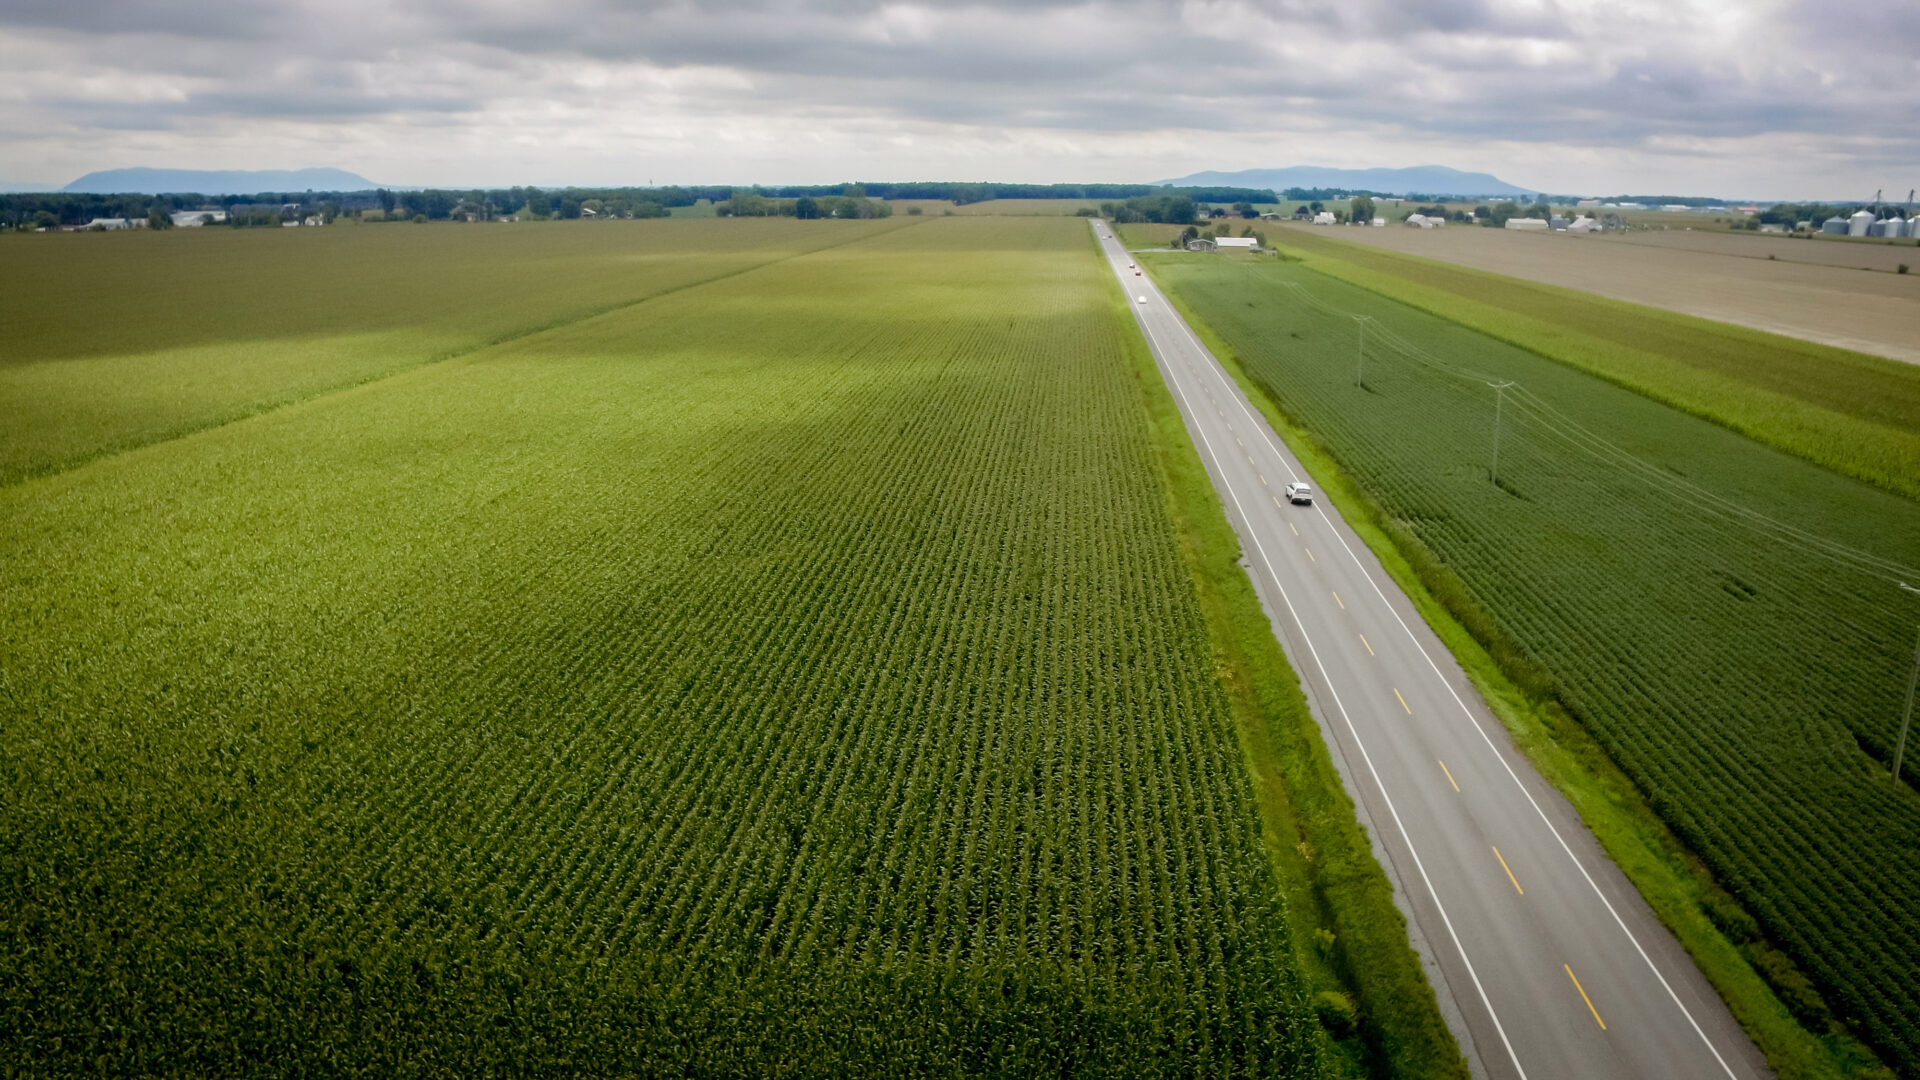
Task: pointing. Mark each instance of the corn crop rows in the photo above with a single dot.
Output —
(789, 677)
(1734, 668)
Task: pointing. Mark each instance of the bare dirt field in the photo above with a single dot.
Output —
(1882, 255)
(1817, 290)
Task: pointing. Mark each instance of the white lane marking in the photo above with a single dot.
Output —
(1622, 923)
(1355, 732)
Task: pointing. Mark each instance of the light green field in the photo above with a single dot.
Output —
(826, 670)
(118, 340)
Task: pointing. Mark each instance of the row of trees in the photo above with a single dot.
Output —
(850, 201)
(435, 204)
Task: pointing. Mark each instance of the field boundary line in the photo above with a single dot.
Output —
(507, 338)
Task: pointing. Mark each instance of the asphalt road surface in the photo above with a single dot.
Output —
(1555, 967)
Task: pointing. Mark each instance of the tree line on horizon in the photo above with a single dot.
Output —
(52, 209)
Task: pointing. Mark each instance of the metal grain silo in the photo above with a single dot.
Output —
(1859, 223)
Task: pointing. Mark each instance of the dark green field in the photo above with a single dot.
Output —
(1854, 413)
(1745, 675)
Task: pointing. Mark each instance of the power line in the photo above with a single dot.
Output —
(1579, 436)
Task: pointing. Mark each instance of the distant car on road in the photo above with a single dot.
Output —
(1299, 493)
(1143, 299)
(1136, 273)
(1129, 266)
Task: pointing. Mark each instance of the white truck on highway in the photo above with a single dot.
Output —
(1299, 493)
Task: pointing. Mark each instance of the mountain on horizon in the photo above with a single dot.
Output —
(216, 181)
(1421, 179)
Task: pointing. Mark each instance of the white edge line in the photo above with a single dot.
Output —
(1266, 435)
(1388, 799)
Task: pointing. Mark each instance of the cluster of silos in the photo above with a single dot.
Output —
(1892, 227)
(1865, 223)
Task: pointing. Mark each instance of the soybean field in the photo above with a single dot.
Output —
(1725, 619)
(791, 675)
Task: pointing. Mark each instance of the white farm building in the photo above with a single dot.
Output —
(1237, 243)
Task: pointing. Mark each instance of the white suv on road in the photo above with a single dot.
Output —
(1299, 493)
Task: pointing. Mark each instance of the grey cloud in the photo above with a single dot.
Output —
(1467, 70)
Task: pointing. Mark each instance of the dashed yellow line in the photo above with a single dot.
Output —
(1450, 780)
(1403, 701)
(1585, 998)
(1369, 645)
(1309, 552)
(1291, 525)
(1263, 480)
(1516, 883)
(1276, 502)
(1337, 600)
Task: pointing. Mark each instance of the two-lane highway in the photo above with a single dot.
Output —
(1556, 966)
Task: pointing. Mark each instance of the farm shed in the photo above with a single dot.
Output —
(1202, 244)
(1526, 224)
(1238, 243)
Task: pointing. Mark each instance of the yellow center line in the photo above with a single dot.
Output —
(1585, 998)
(1250, 461)
(1403, 701)
(1291, 525)
(1509, 870)
(1237, 442)
(1309, 552)
(1263, 480)
(1337, 600)
(1369, 645)
(1456, 786)
(1276, 502)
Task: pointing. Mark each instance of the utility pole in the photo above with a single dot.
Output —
(1499, 396)
(1360, 354)
(1906, 712)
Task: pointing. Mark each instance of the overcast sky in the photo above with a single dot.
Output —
(1761, 99)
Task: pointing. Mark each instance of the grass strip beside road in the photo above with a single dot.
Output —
(1756, 980)
(1349, 937)
(1856, 414)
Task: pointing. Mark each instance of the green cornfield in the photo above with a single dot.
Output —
(110, 346)
(790, 675)
(1725, 619)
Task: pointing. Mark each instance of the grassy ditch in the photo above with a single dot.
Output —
(1776, 1003)
(1349, 938)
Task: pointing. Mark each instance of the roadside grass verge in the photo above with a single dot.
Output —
(1349, 938)
(1771, 998)
(1856, 414)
